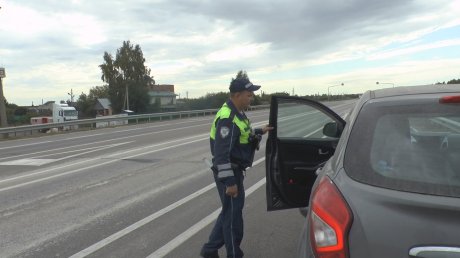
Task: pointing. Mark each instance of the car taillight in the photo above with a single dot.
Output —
(449, 99)
(330, 221)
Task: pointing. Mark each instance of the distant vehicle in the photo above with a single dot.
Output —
(64, 113)
(128, 112)
(383, 184)
(41, 120)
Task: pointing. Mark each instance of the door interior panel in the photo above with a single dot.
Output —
(299, 161)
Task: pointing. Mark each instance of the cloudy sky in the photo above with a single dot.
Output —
(51, 47)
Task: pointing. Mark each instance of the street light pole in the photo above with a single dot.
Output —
(123, 80)
(385, 83)
(328, 91)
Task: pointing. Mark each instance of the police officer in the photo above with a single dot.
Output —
(233, 143)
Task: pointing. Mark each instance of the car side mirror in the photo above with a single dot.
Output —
(332, 129)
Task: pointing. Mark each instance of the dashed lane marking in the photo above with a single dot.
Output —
(27, 162)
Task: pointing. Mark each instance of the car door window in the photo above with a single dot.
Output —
(297, 120)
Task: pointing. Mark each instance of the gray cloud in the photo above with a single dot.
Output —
(295, 30)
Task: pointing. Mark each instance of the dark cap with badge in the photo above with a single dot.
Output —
(241, 84)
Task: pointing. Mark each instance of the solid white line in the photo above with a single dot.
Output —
(312, 133)
(91, 249)
(173, 244)
(140, 223)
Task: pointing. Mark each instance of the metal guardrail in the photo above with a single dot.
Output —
(13, 131)
(451, 124)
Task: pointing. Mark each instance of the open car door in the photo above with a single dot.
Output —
(304, 137)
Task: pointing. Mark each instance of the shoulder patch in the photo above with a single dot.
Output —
(224, 131)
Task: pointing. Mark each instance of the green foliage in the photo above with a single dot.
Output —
(85, 103)
(281, 94)
(127, 71)
(98, 92)
(211, 100)
(18, 115)
(20, 111)
(454, 81)
(241, 75)
(85, 106)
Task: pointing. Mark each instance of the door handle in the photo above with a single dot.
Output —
(434, 251)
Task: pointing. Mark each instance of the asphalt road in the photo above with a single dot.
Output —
(131, 191)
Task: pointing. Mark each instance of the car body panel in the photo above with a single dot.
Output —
(393, 221)
(387, 223)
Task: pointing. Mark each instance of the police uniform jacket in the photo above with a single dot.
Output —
(230, 142)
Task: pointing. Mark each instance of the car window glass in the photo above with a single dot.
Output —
(298, 120)
(407, 148)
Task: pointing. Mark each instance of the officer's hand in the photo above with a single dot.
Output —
(232, 190)
(267, 128)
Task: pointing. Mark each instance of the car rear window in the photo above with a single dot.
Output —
(412, 147)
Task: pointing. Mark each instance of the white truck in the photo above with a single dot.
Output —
(64, 113)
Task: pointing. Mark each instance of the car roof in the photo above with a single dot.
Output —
(415, 90)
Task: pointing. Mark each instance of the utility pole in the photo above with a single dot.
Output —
(127, 97)
(71, 96)
(3, 120)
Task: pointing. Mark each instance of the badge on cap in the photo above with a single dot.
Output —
(224, 131)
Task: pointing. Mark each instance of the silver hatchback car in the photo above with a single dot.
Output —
(385, 183)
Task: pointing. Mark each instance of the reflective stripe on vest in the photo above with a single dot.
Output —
(243, 125)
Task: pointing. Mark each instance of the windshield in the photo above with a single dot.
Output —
(70, 113)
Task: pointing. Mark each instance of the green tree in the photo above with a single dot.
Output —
(241, 75)
(99, 92)
(454, 81)
(127, 72)
(85, 103)
(85, 106)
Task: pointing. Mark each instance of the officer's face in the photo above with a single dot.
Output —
(246, 97)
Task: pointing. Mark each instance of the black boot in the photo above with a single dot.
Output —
(213, 254)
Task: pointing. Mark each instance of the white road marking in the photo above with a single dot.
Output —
(180, 239)
(312, 133)
(59, 149)
(98, 158)
(140, 223)
(93, 166)
(59, 167)
(24, 145)
(115, 138)
(93, 248)
(104, 163)
(39, 161)
(27, 162)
